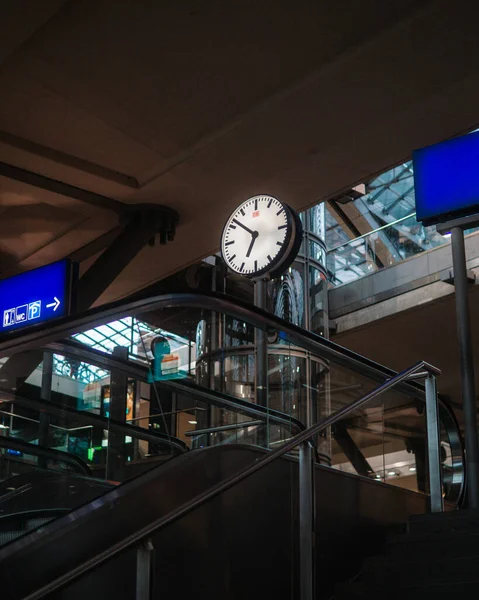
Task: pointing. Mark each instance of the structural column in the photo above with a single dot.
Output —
(467, 366)
(118, 406)
(45, 395)
(261, 355)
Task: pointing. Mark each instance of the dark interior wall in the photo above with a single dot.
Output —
(244, 543)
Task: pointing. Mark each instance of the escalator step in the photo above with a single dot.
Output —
(382, 571)
(457, 520)
(393, 591)
(434, 546)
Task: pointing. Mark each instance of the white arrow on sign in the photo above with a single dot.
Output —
(55, 304)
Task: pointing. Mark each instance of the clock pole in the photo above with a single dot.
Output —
(260, 240)
(261, 353)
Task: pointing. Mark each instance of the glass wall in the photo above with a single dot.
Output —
(300, 296)
(381, 248)
(377, 229)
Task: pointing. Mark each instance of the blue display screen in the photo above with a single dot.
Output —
(14, 452)
(446, 179)
(35, 296)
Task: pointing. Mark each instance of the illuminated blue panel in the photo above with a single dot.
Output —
(35, 296)
(446, 179)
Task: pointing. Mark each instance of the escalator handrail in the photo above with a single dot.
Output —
(237, 404)
(222, 428)
(99, 358)
(109, 362)
(241, 311)
(41, 451)
(97, 420)
(300, 438)
(223, 303)
(33, 513)
(19, 341)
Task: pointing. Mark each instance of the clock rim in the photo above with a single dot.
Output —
(288, 247)
(296, 241)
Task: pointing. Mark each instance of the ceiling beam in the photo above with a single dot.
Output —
(68, 160)
(58, 187)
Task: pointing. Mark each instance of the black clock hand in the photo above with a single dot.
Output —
(243, 226)
(254, 236)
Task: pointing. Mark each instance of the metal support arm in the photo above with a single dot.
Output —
(143, 224)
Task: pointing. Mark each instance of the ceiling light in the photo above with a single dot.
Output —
(392, 473)
(192, 422)
(412, 469)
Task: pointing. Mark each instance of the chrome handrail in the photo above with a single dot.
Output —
(253, 410)
(50, 333)
(243, 311)
(303, 436)
(221, 428)
(301, 439)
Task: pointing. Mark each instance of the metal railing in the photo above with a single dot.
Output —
(327, 350)
(381, 248)
(58, 456)
(141, 537)
(48, 335)
(140, 372)
(222, 428)
(372, 232)
(97, 420)
(317, 345)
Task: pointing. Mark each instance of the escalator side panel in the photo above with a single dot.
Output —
(245, 543)
(98, 525)
(242, 544)
(113, 581)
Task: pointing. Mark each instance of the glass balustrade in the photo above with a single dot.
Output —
(201, 372)
(381, 248)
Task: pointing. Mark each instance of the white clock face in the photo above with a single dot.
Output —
(257, 235)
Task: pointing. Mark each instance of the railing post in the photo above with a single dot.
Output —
(306, 490)
(144, 560)
(46, 396)
(433, 445)
(464, 335)
(261, 359)
(115, 459)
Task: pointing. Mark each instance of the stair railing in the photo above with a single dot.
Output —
(141, 539)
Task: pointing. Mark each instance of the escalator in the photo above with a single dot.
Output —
(107, 531)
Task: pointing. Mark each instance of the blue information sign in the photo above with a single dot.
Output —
(35, 296)
(446, 179)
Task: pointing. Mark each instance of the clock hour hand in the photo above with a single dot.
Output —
(254, 236)
(243, 226)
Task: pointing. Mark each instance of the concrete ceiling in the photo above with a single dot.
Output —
(197, 104)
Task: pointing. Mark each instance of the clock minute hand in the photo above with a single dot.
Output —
(254, 236)
(243, 226)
